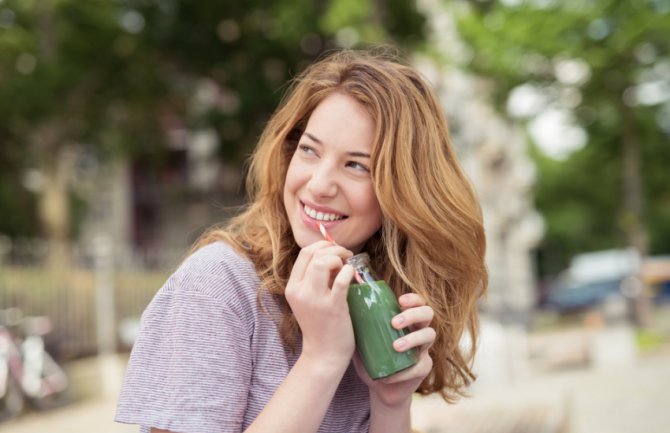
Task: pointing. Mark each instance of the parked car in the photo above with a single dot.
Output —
(570, 297)
(655, 272)
(593, 278)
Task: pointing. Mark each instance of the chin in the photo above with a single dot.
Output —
(305, 239)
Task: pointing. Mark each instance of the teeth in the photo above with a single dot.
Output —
(321, 216)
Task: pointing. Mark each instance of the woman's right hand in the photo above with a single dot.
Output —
(317, 293)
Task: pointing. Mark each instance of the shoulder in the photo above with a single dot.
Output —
(218, 258)
(215, 284)
(192, 362)
(217, 271)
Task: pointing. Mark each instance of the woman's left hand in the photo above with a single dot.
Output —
(397, 389)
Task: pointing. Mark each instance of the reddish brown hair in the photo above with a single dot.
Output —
(432, 239)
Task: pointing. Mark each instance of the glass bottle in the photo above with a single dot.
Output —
(372, 306)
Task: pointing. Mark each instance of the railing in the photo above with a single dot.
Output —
(94, 301)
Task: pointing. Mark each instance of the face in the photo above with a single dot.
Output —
(328, 179)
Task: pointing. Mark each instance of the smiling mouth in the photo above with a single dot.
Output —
(322, 216)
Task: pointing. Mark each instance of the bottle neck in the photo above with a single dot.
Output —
(361, 264)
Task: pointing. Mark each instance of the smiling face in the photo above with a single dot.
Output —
(328, 179)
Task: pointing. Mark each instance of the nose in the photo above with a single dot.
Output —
(323, 181)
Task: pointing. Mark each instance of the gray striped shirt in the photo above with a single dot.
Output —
(208, 359)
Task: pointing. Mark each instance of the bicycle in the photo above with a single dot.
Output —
(27, 371)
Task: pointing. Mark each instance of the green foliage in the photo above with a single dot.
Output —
(346, 12)
(649, 340)
(572, 195)
(118, 76)
(624, 45)
(18, 208)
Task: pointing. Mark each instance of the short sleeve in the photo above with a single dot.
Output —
(191, 366)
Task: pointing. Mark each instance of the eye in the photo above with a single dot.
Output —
(358, 166)
(306, 150)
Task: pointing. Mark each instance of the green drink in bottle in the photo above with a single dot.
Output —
(372, 306)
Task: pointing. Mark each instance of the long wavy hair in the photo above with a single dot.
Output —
(431, 241)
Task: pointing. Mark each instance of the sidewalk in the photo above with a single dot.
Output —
(617, 400)
(93, 416)
(623, 400)
(93, 410)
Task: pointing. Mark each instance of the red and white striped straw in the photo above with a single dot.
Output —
(325, 233)
(329, 238)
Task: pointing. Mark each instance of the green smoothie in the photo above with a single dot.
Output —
(372, 306)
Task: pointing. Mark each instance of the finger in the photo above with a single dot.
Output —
(416, 317)
(341, 283)
(420, 370)
(335, 250)
(422, 338)
(319, 271)
(304, 258)
(409, 300)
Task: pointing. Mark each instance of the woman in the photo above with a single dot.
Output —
(252, 333)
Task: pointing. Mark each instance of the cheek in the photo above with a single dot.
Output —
(376, 222)
(291, 181)
(372, 209)
(371, 202)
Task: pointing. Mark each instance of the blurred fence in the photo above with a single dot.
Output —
(90, 282)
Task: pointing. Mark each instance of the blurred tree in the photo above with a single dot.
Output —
(73, 78)
(124, 77)
(605, 65)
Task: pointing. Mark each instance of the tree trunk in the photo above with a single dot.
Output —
(54, 208)
(633, 195)
(56, 161)
(633, 204)
(46, 31)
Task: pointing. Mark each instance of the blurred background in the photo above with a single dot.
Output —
(124, 130)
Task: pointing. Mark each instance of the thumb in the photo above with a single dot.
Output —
(341, 283)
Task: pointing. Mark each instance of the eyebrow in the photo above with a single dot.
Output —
(358, 154)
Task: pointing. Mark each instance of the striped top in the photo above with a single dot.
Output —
(208, 358)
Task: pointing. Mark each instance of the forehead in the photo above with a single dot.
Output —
(340, 119)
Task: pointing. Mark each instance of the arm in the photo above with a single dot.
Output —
(391, 398)
(316, 292)
(300, 403)
(389, 419)
(319, 304)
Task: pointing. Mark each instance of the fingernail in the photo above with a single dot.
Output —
(399, 320)
(401, 343)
